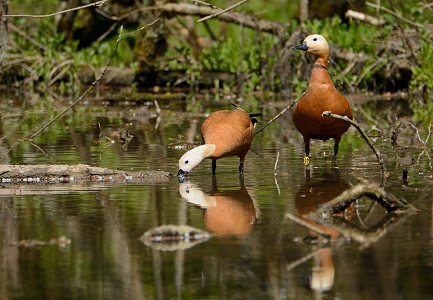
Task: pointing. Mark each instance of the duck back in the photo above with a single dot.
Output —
(231, 131)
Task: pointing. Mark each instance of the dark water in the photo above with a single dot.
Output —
(255, 251)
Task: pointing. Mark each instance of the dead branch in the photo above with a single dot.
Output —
(424, 142)
(364, 136)
(222, 11)
(396, 15)
(206, 4)
(362, 236)
(363, 17)
(365, 188)
(97, 4)
(306, 224)
(281, 113)
(119, 39)
(40, 174)
(302, 260)
(247, 20)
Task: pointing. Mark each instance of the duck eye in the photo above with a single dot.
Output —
(315, 39)
(186, 161)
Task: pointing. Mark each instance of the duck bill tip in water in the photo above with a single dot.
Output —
(303, 46)
(181, 175)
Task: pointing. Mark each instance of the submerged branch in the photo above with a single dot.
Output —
(365, 188)
(306, 224)
(364, 136)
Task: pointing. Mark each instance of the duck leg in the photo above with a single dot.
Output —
(307, 154)
(335, 150)
(337, 142)
(241, 167)
(213, 166)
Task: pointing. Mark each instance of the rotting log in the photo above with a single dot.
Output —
(365, 188)
(48, 174)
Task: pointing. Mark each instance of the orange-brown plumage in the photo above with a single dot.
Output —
(231, 131)
(225, 133)
(321, 96)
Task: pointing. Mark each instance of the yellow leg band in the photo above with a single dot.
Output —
(306, 160)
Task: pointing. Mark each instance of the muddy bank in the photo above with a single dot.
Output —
(49, 174)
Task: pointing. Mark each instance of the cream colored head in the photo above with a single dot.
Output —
(315, 44)
(193, 157)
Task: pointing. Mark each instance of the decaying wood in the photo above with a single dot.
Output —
(247, 20)
(365, 188)
(47, 174)
(329, 215)
(363, 17)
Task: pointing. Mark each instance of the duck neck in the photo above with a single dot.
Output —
(320, 73)
(206, 150)
(322, 60)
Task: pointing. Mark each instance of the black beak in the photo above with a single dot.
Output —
(181, 175)
(303, 46)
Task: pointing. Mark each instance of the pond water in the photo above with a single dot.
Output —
(254, 251)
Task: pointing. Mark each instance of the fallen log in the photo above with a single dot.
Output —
(48, 174)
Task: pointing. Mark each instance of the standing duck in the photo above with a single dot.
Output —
(225, 133)
(321, 96)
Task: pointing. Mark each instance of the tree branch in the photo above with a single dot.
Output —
(281, 113)
(119, 39)
(222, 11)
(364, 136)
(98, 3)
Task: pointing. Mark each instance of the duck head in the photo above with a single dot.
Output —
(315, 44)
(193, 157)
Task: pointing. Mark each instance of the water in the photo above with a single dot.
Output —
(255, 252)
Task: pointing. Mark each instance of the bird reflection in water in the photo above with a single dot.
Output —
(319, 189)
(227, 212)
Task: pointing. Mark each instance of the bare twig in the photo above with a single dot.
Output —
(396, 15)
(222, 11)
(302, 260)
(276, 162)
(364, 188)
(299, 221)
(205, 4)
(22, 33)
(119, 39)
(281, 113)
(98, 3)
(248, 20)
(365, 137)
(424, 142)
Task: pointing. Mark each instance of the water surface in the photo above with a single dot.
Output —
(254, 251)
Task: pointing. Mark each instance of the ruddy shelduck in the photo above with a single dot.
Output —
(321, 96)
(225, 133)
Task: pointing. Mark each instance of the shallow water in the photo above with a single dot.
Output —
(254, 251)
